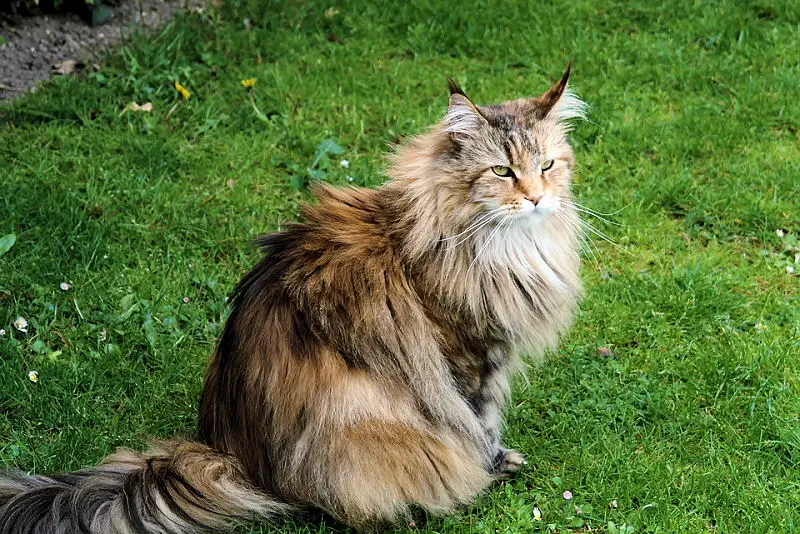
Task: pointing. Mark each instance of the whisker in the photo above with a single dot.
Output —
(476, 230)
(603, 236)
(593, 214)
(482, 218)
(586, 244)
(488, 240)
(599, 212)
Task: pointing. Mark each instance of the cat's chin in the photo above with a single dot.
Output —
(535, 217)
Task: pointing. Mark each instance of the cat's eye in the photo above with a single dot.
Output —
(547, 165)
(501, 170)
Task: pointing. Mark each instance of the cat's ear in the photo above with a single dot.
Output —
(559, 102)
(463, 118)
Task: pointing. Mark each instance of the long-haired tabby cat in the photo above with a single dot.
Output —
(366, 360)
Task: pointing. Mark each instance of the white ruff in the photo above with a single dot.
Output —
(528, 250)
(527, 279)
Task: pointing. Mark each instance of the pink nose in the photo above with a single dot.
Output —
(535, 199)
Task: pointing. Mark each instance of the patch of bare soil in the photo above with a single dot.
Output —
(36, 47)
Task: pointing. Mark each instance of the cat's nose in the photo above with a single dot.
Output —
(535, 199)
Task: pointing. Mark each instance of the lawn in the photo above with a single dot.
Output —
(690, 422)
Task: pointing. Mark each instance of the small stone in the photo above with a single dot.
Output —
(65, 286)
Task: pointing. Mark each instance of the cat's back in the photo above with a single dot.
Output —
(341, 246)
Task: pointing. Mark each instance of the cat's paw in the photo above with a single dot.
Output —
(507, 463)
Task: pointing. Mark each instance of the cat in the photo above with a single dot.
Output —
(366, 360)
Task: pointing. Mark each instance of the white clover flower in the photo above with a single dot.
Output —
(350, 178)
(345, 163)
(779, 232)
(790, 269)
(103, 334)
(613, 504)
(21, 324)
(2, 332)
(537, 514)
(65, 286)
(33, 376)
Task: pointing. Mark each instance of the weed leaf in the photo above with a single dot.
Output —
(6, 242)
(329, 146)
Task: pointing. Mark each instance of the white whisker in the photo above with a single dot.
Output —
(595, 212)
(603, 236)
(476, 230)
(486, 244)
(480, 219)
(588, 247)
(587, 211)
(586, 244)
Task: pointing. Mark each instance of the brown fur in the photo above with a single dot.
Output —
(367, 357)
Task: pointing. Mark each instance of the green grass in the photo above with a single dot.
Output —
(692, 425)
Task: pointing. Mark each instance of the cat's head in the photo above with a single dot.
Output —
(511, 159)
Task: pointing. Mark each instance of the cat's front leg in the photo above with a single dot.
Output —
(488, 403)
(507, 462)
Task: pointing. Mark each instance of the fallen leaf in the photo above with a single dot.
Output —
(134, 106)
(66, 67)
(604, 351)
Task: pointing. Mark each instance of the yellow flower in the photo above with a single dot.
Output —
(248, 83)
(182, 90)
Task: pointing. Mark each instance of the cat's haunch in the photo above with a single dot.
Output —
(366, 360)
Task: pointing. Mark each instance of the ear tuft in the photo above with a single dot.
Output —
(452, 85)
(560, 103)
(462, 118)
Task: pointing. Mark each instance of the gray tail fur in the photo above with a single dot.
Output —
(177, 487)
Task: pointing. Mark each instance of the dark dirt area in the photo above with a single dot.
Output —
(34, 47)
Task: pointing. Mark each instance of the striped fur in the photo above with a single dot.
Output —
(366, 359)
(175, 487)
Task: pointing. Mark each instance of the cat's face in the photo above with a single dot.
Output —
(513, 159)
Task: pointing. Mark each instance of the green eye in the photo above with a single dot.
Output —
(500, 170)
(547, 165)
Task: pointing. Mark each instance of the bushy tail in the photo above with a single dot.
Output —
(175, 488)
